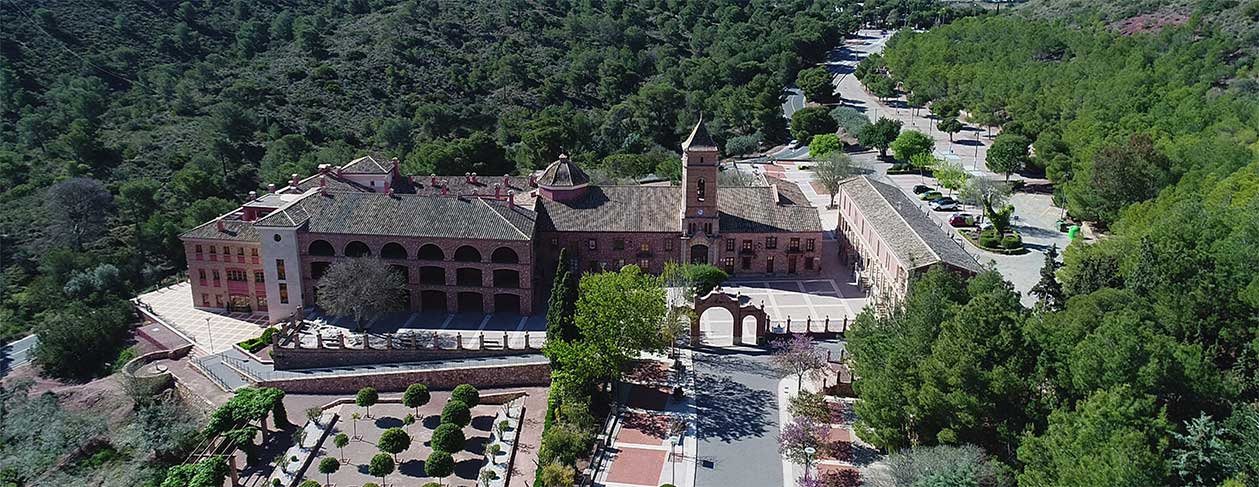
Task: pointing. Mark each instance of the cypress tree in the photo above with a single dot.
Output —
(562, 304)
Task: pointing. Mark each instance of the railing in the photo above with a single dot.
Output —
(209, 372)
(785, 326)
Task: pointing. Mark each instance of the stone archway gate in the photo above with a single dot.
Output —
(717, 298)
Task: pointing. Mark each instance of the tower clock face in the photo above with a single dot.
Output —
(699, 212)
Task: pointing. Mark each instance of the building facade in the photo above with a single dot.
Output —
(473, 244)
(887, 240)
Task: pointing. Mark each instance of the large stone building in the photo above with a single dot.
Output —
(490, 244)
(888, 241)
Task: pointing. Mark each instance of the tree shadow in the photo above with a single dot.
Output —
(728, 410)
(387, 422)
(468, 469)
(476, 445)
(968, 142)
(432, 422)
(412, 468)
(482, 423)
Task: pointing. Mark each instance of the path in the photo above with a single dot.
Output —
(738, 418)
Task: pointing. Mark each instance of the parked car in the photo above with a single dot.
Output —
(930, 195)
(922, 188)
(943, 204)
(794, 144)
(984, 226)
(962, 220)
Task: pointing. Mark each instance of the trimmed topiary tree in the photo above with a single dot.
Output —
(327, 467)
(416, 396)
(466, 393)
(456, 413)
(439, 464)
(366, 397)
(381, 466)
(394, 441)
(448, 438)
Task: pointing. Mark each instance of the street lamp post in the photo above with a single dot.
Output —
(209, 333)
(808, 460)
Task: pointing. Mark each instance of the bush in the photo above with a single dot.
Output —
(255, 344)
(308, 483)
(989, 239)
(1012, 241)
(456, 413)
(448, 438)
(564, 443)
(742, 144)
(706, 277)
(439, 464)
(467, 394)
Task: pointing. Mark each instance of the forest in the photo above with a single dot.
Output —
(1139, 365)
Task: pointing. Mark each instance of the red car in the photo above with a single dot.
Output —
(962, 220)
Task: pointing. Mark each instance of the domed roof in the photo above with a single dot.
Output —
(563, 174)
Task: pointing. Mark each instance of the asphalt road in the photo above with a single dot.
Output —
(794, 101)
(17, 353)
(737, 411)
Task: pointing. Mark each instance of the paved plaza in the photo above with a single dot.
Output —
(210, 331)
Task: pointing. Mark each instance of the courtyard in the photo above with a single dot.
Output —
(805, 302)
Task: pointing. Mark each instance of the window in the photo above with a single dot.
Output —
(810, 244)
(236, 275)
(592, 244)
(618, 244)
(262, 302)
(747, 245)
(201, 274)
(213, 250)
(794, 244)
(198, 249)
(205, 300)
(690, 228)
(730, 245)
(708, 229)
(259, 276)
(747, 263)
(644, 264)
(555, 243)
(253, 252)
(227, 251)
(699, 189)
(279, 269)
(240, 251)
(284, 293)
(668, 245)
(769, 264)
(771, 242)
(808, 264)
(216, 274)
(218, 300)
(645, 247)
(728, 262)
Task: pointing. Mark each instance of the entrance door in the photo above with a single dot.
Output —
(791, 264)
(699, 254)
(238, 303)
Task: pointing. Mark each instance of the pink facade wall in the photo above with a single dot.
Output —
(667, 246)
(860, 241)
(218, 294)
(491, 294)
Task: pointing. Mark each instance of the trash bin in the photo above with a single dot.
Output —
(1062, 226)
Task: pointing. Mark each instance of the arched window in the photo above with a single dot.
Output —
(699, 189)
(506, 278)
(467, 253)
(467, 276)
(319, 247)
(357, 249)
(504, 255)
(393, 250)
(430, 252)
(433, 276)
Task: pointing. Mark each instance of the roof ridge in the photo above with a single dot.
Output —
(883, 197)
(500, 215)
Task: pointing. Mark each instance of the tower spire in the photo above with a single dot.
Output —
(700, 138)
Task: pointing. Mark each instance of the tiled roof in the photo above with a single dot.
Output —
(563, 173)
(234, 229)
(405, 215)
(912, 236)
(458, 185)
(615, 209)
(368, 165)
(756, 210)
(789, 193)
(699, 138)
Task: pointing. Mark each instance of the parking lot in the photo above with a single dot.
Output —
(803, 301)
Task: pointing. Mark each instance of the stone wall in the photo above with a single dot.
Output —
(307, 358)
(484, 377)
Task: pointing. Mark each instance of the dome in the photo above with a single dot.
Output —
(563, 174)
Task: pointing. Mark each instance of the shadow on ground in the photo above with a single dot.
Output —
(729, 410)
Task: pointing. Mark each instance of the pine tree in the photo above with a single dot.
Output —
(1049, 291)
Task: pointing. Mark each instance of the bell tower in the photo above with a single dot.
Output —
(699, 180)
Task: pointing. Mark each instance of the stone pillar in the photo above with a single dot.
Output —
(231, 470)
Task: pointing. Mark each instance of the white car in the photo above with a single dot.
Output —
(794, 144)
(943, 204)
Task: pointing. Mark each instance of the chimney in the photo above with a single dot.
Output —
(271, 188)
(219, 224)
(389, 191)
(294, 181)
(445, 190)
(395, 165)
(474, 181)
(339, 171)
(506, 181)
(498, 191)
(533, 180)
(253, 195)
(432, 180)
(511, 199)
(467, 177)
(323, 168)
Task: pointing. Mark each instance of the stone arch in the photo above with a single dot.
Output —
(469, 302)
(357, 249)
(393, 250)
(699, 254)
(506, 303)
(506, 278)
(720, 322)
(739, 306)
(321, 248)
(504, 255)
(467, 253)
(430, 252)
